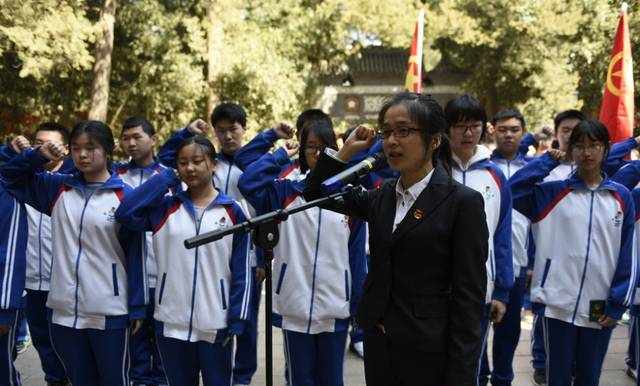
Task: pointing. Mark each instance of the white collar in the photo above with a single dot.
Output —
(415, 189)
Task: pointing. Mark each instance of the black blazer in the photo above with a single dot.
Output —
(427, 279)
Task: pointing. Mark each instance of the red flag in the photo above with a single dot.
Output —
(617, 110)
(413, 82)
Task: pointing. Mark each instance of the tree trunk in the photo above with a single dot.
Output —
(102, 64)
(214, 48)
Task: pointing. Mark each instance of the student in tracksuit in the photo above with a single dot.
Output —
(13, 245)
(97, 282)
(137, 140)
(229, 121)
(291, 170)
(629, 176)
(564, 123)
(472, 167)
(319, 263)
(38, 264)
(580, 288)
(204, 292)
(509, 129)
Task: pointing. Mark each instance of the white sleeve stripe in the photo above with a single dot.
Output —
(10, 257)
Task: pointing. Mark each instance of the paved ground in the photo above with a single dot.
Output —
(613, 374)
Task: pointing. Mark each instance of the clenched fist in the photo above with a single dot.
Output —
(53, 151)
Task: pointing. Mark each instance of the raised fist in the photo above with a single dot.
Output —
(292, 148)
(20, 143)
(283, 131)
(53, 151)
(199, 126)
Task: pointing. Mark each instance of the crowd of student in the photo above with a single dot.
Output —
(92, 253)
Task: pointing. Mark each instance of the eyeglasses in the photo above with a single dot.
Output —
(462, 128)
(593, 148)
(398, 132)
(313, 149)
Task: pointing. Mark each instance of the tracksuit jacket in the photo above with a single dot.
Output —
(225, 177)
(520, 224)
(202, 290)
(97, 275)
(584, 241)
(134, 176)
(319, 263)
(486, 178)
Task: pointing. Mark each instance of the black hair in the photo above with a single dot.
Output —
(228, 111)
(321, 130)
(308, 117)
(508, 114)
(595, 131)
(466, 108)
(203, 142)
(99, 133)
(427, 114)
(567, 114)
(132, 122)
(52, 126)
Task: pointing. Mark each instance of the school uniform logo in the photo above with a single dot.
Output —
(222, 222)
(488, 193)
(617, 220)
(110, 214)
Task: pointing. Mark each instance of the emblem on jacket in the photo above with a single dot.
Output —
(617, 221)
(418, 214)
(222, 222)
(488, 194)
(110, 214)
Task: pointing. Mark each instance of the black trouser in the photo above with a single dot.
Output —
(389, 364)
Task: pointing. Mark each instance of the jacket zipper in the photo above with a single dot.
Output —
(315, 265)
(84, 208)
(226, 183)
(586, 259)
(195, 272)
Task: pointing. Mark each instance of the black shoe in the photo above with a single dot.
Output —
(540, 376)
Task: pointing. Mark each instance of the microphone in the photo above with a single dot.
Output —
(356, 171)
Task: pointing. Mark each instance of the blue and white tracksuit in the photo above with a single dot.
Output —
(615, 160)
(598, 264)
(507, 333)
(629, 176)
(39, 255)
(225, 178)
(146, 366)
(13, 244)
(38, 271)
(204, 293)
(486, 177)
(97, 271)
(319, 267)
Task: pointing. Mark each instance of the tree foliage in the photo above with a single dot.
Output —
(271, 55)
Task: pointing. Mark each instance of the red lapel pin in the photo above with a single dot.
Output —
(417, 214)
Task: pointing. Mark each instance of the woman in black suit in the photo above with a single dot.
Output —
(425, 291)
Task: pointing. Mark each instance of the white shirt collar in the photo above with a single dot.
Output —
(415, 189)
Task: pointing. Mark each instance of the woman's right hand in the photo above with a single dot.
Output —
(52, 151)
(360, 139)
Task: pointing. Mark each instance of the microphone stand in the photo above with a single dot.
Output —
(266, 236)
